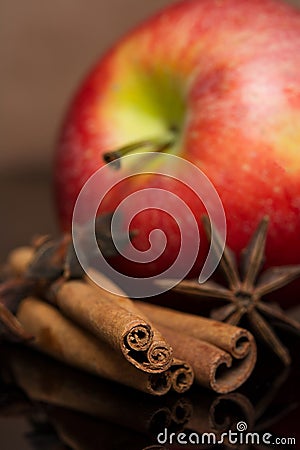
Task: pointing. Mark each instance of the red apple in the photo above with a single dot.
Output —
(218, 83)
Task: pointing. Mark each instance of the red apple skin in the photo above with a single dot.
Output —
(235, 65)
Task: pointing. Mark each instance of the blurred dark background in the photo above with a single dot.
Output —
(46, 48)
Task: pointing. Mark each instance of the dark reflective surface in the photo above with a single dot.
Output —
(48, 406)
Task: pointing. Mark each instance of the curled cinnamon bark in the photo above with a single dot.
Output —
(124, 330)
(182, 375)
(222, 356)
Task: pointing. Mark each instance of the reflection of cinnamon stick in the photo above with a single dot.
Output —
(122, 329)
(46, 380)
(54, 384)
(227, 410)
(155, 447)
(81, 432)
(62, 339)
(219, 414)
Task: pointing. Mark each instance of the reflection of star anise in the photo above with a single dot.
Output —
(246, 289)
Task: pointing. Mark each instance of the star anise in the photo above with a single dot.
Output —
(246, 287)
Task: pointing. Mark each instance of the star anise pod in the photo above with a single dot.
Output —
(56, 258)
(246, 287)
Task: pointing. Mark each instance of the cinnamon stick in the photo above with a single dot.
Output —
(121, 328)
(234, 340)
(181, 371)
(57, 336)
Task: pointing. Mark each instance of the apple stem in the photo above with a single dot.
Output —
(154, 145)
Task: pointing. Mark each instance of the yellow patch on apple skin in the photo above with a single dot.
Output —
(286, 143)
(141, 106)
